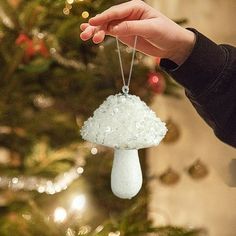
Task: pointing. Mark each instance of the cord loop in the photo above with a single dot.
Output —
(125, 88)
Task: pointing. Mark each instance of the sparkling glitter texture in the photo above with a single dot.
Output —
(124, 122)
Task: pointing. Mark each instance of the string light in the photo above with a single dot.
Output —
(80, 170)
(79, 202)
(69, 6)
(99, 228)
(41, 185)
(66, 11)
(27, 216)
(70, 1)
(94, 151)
(15, 180)
(6, 20)
(42, 101)
(66, 62)
(60, 215)
(101, 47)
(85, 14)
(84, 230)
(70, 232)
(117, 233)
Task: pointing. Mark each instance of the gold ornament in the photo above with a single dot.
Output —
(169, 177)
(198, 170)
(173, 133)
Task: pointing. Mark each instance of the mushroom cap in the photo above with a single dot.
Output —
(124, 122)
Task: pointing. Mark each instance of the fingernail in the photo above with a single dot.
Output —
(82, 37)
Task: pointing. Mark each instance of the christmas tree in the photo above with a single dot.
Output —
(51, 182)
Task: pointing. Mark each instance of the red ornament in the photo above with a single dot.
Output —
(157, 82)
(41, 48)
(32, 46)
(22, 38)
(30, 50)
(27, 43)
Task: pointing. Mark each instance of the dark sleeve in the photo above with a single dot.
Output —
(209, 78)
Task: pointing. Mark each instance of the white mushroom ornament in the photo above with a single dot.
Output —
(127, 124)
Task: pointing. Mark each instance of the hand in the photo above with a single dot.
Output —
(157, 35)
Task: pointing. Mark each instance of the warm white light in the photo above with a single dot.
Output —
(15, 180)
(94, 151)
(41, 189)
(60, 215)
(117, 233)
(101, 47)
(99, 228)
(66, 11)
(80, 170)
(84, 230)
(85, 14)
(70, 232)
(79, 202)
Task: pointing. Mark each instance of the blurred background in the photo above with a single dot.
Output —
(52, 182)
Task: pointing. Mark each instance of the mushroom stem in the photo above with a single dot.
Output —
(126, 174)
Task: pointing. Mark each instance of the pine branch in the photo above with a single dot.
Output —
(13, 65)
(8, 15)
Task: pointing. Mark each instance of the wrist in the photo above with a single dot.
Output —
(184, 46)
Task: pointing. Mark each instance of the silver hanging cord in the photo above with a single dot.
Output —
(125, 88)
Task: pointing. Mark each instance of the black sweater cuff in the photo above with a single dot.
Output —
(201, 69)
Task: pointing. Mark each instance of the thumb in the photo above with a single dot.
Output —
(128, 28)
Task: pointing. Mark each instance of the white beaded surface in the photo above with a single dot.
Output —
(124, 122)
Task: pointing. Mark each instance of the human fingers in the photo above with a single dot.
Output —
(83, 26)
(99, 36)
(142, 45)
(135, 27)
(96, 33)
(88, 33)
(132, 10)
